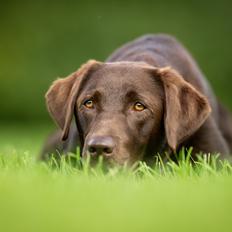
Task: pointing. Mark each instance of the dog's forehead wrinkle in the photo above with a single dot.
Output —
(115, 84)
(121, 82)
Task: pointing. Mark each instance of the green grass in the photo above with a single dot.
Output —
(168, 197)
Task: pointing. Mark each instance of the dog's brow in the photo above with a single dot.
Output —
(133, 95)
(96, 94)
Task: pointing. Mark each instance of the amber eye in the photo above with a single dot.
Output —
(138, 106)
(88, 104)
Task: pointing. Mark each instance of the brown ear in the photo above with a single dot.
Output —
(62, 94)
(186, 109)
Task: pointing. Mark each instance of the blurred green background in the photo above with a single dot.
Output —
(41, 40)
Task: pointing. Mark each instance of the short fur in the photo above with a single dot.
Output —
(180, 107)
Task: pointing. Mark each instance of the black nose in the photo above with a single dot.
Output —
(101, 145)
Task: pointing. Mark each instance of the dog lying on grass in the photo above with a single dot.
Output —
(148, 97)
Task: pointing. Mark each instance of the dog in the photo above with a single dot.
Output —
(149, 97)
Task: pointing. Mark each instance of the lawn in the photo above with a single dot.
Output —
(37, 197)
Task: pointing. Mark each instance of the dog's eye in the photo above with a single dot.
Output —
(138, 106)
(88, 104)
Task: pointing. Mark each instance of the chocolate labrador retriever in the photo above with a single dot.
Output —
(148, 97)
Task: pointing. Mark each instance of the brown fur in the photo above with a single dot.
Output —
(61, 96)
(180, 107)
(186, 108)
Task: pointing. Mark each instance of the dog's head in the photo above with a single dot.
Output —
(125, 109)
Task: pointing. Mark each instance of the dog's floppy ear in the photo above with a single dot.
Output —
(61, 96)
(186, 109)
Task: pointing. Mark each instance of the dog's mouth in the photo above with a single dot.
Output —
(113, 160)
(106, 157)
(112, 149)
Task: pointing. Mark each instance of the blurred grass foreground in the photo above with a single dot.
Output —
(41, 40)
(38, 196)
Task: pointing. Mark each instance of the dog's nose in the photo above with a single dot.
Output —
(103, 145)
